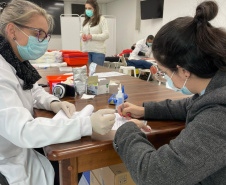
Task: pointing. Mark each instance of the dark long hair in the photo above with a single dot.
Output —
(192, 43)
(96, 19)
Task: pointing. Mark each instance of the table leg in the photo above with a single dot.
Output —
(68, 171)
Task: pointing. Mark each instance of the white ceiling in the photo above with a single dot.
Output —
(83, 1)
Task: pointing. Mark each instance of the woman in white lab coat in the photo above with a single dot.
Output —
(24, 29)
(94, 33)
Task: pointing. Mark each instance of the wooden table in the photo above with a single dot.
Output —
(97, 151)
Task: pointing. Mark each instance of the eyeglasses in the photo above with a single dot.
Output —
(41, 36)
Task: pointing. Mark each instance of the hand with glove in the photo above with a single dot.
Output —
(67, 107)
(101, 122)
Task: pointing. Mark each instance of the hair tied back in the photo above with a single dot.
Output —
(3, 5)
(205, 12)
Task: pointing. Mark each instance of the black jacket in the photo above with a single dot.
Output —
(196, 156)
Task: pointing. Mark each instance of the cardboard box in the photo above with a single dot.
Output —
(93, 179)
(113, 175)
(87, 176)
(113, 86)
(83, 181)
(97, 86)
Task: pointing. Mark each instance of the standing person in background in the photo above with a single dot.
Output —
(192, 54)
(24, 35)
(141, 53)
(94, 33)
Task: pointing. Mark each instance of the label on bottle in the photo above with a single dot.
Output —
(119, 102)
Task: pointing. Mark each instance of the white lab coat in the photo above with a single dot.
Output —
(20, 132)
(141, 46)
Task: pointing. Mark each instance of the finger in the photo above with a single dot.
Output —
(110, 125)
(119, 109)
(112, 122)
(146, 128)
(107, 111)
(66, 110)
(126, 111)
(110, 117)
(127, 104)
(71, 108)
(68, 104)
(108, 129)
(128, 117)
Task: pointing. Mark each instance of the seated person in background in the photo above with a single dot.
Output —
(116, 57)
(133, 46)
(192, 54)
(141, 53)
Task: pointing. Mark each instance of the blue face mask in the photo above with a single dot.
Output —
(89, 13)
(183, 90)
(149, 44)
(33, 50)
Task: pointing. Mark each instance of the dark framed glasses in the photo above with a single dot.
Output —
(41, 36)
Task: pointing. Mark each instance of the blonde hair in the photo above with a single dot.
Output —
(20, 12)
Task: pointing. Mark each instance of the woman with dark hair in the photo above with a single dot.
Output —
(192, 54)
(94, 33)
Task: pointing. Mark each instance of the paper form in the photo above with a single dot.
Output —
(108, 74)
(88, 110)
(119, 121)
(60, 115)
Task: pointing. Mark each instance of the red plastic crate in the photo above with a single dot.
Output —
(56, 79)
(76, 59)
(69, 52)
(76, 62)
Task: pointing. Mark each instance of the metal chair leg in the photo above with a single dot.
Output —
(139, 73)
(149, 77)
(134, 71)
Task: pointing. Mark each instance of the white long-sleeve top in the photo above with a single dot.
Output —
(141, 46)
(99, 33)
(20, 131)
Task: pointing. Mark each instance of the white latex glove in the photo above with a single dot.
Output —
(67, 107)
(101, 123)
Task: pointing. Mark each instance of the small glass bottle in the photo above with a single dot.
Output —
(119, 97)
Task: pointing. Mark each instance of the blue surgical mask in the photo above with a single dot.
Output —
(183, 90)
(33, 50)
(149, 44)
(89, 13)
(203, 92)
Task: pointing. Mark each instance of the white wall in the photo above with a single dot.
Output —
(178, 8)
(125, 12)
